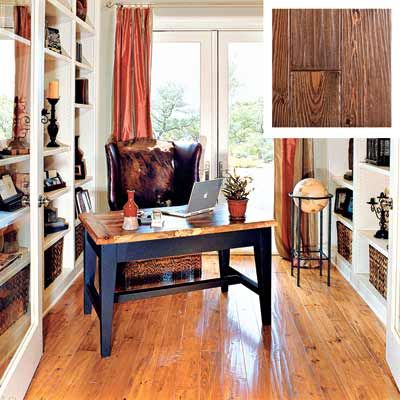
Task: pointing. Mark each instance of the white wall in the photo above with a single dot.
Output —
(207, 18)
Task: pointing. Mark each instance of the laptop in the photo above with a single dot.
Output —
(203, 199)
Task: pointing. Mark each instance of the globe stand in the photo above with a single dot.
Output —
(300, 253)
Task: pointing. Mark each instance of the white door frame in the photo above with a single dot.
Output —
(19, 373)
(393, 278)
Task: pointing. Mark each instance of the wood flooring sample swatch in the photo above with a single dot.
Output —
(280, 68)
(366, 92)
(315, 39)
(315, 99)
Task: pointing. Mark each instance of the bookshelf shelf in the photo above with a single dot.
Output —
(55, 8)
(52, 56)
(8, 160)
(8, 34)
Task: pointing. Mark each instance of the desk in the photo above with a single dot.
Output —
(106, 240)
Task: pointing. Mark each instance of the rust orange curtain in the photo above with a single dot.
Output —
(22, 23)
(132, 69)
(294, 161)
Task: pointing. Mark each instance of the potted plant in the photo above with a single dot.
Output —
(236, 190)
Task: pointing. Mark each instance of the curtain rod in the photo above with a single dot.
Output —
(113, 3)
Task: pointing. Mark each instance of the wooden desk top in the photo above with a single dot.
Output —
(107, 228)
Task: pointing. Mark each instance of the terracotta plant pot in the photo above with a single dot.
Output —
(237, 209)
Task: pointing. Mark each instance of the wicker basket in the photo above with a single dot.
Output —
(53, 262)
(79, 240)
(166, 269)
(344, 241)
(14, 299)
(378, 266)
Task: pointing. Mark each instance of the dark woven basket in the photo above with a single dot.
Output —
(166, 269)
(14, 299)
(79, 240)
(344, 241)
(53, 257)
(378, 266)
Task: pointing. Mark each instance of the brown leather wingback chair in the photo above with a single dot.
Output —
(156, 170)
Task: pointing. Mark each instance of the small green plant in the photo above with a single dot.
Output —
(237, 187)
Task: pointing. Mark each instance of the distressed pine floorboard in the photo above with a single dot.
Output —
(325, 343)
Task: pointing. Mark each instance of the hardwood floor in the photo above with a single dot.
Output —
(325, 343)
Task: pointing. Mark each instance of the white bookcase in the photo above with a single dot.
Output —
(74, 119)
(21, 343)
(368, 181)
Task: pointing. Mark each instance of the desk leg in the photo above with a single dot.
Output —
(262, 254)
(223, 256)
(108, 272)
(89, 269)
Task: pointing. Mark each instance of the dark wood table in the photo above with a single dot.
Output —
(106, 240)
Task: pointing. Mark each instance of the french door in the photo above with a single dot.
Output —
(243, 147)
(21, 343)
(208, 86)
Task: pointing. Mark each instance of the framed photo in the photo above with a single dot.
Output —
(53, 40)
(348, 207)
(22, 182)
(80, 170)
(83, 202)
(344, 202)
(7, 188)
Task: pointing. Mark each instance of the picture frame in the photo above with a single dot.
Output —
(348, 207)
(83, 202)
(53, 40)
(344, 202)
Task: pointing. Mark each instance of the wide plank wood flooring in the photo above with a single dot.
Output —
(325, 343)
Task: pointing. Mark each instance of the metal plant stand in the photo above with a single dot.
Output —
(306, 253)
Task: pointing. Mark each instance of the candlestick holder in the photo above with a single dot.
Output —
(52, 128)
(381, 206)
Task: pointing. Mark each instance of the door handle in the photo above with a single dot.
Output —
(26, 202)
(207, 171)
(43, 201)
(220, 169)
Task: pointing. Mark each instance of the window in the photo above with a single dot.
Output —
(176, 91)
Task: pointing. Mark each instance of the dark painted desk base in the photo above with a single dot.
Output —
(112, 254)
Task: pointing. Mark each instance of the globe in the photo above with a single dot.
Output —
(310, 187)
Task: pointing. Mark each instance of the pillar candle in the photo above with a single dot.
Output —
(52, 91)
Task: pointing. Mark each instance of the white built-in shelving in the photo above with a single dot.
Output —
(73, 119)
(368, 181)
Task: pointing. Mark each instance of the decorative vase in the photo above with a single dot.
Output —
(237, 209)
(130, 213)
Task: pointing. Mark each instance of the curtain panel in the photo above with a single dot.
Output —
(132, 74)
(294, 161)
(22, 23)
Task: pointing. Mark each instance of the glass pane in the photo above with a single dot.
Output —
(176, 91)
(250, 152)
(15, 284)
